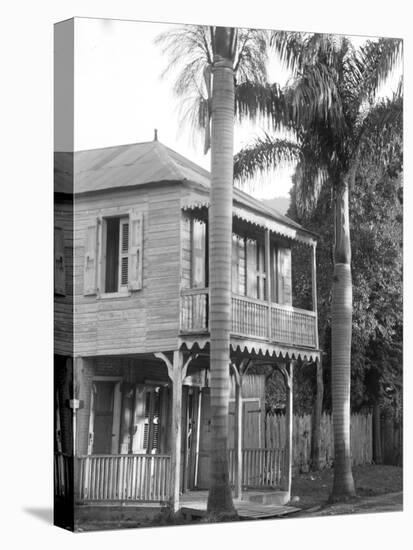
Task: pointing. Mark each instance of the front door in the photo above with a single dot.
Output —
(103, 417)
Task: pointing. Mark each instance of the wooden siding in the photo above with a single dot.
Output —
(145, 320)
(162, 252)
(63, 303)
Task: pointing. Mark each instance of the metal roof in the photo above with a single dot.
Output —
(123, 166)
(138, 164)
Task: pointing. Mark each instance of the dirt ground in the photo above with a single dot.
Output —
(379, 488)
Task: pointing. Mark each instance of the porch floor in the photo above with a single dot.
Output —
(194, 503)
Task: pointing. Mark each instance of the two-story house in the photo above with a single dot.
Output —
(131, 326)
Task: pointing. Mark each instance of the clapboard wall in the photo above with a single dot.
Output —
(146, 320)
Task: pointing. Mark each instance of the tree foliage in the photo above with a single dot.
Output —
(376, 206)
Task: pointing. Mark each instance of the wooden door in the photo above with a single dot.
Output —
(251, 424)
(103, 417)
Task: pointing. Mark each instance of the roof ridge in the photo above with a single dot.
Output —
(160, 150)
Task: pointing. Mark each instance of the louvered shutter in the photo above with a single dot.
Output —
(59, 262)
(251, 268)
(89, 277)
(124, 253)
(135, 250)
(285, 294)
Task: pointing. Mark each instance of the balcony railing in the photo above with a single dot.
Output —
(252, 319)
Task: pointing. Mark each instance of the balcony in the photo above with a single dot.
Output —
(274, 323)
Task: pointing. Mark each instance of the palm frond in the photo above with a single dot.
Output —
(373, 63)
(381, 133)
(264, 154)
(290, 48)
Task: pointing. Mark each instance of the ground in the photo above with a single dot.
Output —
(379, 489)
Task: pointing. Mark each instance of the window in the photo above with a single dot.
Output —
(256, 270)
(151, 426)
(116, 254)
(238, 265)
(198, 254)
(113, 255)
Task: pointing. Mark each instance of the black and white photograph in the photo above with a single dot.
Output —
(227, 274)
(205, 282)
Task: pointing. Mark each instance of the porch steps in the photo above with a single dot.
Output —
(273, 498)
(254, 505)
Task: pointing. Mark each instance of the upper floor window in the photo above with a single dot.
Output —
(116, 254)
(198, 254)
(249, 269)
(256, 270)
(113, 255)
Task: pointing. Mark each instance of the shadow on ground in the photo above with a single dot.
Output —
(44, 514)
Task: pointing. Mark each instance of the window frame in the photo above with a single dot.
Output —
(122, 289)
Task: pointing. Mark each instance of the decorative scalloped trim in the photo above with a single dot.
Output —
(258, 221)
(261, 350)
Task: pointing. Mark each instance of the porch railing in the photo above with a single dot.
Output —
(260, 467)
(250, 318)
(124, 478)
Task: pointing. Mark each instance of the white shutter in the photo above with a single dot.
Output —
(135, 250)
(89, 280)
(285, 294)
(59, 262)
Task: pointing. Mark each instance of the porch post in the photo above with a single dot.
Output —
(268, 280)
(314, 291)
(176, 372)
(287, 372)
(238, 433)
(127, 391)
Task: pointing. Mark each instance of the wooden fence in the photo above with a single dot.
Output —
(361, 439)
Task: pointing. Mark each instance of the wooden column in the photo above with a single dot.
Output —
(176, 372)
(268, 279)
(287, 372)
(138, 420)
(314, 290)
(238, 433)
(239, 371)
(127, 390)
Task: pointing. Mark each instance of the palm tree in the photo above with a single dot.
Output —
(209, 58)
(331, 108)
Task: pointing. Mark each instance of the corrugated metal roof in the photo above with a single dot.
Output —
(123, 166)
(139, 164)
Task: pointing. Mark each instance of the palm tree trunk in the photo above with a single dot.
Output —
(343, 486)
(220, 224)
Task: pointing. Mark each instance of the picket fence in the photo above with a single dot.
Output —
(361, 439)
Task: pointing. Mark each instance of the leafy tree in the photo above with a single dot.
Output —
(376, 227)
(330, 106)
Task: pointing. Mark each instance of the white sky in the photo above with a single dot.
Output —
(120, 96)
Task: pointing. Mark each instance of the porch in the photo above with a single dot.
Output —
(142, 478)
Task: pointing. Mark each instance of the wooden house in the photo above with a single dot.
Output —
(131, 327)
